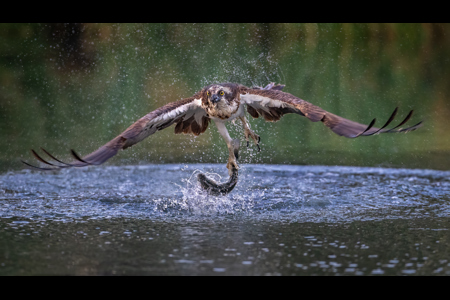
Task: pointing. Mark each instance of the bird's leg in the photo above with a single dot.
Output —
(248, 132)
(233, 150)
(233, 147)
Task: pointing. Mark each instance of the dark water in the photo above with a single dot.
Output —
(279, 220)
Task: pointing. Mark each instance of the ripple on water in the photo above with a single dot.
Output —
(294, 193)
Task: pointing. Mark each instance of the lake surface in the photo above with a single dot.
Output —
(279, 220)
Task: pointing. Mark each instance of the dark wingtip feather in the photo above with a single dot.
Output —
(391, 118)
(368, 128)
(77, 157)
(403, 122)
(41, 159)
(394, 130)
(53, 157)
(45, 169)
(412, 128)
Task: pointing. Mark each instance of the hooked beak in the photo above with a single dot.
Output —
(215, 99)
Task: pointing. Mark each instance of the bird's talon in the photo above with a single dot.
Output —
(232, 165)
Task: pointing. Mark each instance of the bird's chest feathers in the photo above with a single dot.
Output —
(223, 110)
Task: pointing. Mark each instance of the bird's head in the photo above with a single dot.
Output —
(218, 93)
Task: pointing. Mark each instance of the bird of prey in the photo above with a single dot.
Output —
(222, 103)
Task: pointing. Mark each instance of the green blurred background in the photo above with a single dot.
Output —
(65, 86)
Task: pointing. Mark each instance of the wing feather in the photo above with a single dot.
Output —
(272, 104)
(187, 114)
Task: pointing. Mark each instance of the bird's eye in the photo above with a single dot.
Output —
(207, 93)
(221, 93)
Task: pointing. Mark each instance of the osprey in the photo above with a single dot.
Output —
(222, 103)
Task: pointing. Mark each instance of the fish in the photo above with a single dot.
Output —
(218, 189)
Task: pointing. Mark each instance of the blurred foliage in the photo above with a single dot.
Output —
(65, 86)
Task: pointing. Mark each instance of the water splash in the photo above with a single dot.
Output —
(264, 192)
(196, 201)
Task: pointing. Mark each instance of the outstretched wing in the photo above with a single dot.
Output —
(187, 114)
(272, 104)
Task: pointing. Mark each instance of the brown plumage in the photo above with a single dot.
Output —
(221, 103)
